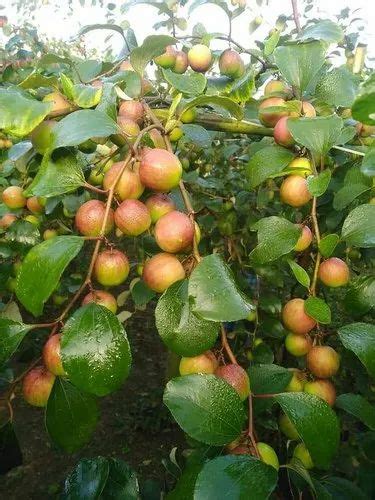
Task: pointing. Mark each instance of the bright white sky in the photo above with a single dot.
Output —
(142, 18)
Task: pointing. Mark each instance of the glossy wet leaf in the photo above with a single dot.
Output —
(318, 309)
(358, 228)
(87, 479)
(341, 488)
(206, 407)
(190, 83)
(184, 489)
(316, 423)
(42, 268)
(324, 29)
(95, 350)
(359, 407)
(328, 244)
(266, 162)
(360, 338)
(57, 176)
(213, 292)
(363, 108)
(122, 482)
(317, 185)
(360, 295)
(152, 46)
(19, 112)
(23, 232)
(276, 237)
(181, 330)
(222, 102)
(347, 194)
(11, 335)
(268, 378)
(299, 273)
(240, 477)
(337, 87)
(71, 416)
(318, 134)
(141, 293)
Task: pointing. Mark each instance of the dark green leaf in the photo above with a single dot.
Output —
(359, 227)
(268, 379)
(317, 134)
(359, 407)
(318, 185)
(324, 29)
(122, 483)
(10, 451)
(42, 268)
(22, 231)
(267, 162)
(222, 102)
(11, 335)
(342, 489)
(347, 194)
(141, 293)
(318, 309)
(152, 46)
(189, 83)
(328, 244)
(299, 273)
(88, 69)
(360, 338)
(184, 489)
(337, 87)
(87, 479)
(205, 407)
(360, 296)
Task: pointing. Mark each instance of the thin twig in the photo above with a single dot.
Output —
(296, 16)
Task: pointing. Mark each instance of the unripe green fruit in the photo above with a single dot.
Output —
(159, 205)
(129, 128)
(33, 219)
(49, 233)
(203, 363)
(304, 241)
(302, 166)
(89, 218)
(281, 133)
(161, 271)
(111, 267)
(270, 118)
(37, 386)
(159, 170)
(11, 284)
(129, 185)
(236, 376)
(133, 110)
(268, 455)
(13, 197)
(200, 58)
(231, 64)
(174, 232)
(87, 147)
(181, 62)
(287, 427)
(334, 272)
(175, 134)
(132, 217)
(7, 220)
(294, 191)
(295, 318)
(323, 361)
(102, 298)
(52, 356)
(42, 136)
(168, 59)
(60, 104)
(298, 345)
(34, 205)
(96, 177)
(185, 163)
(297, 382)
(58, 299)
(324, 389)
(302, 453)
(189, 115)
(275, 87)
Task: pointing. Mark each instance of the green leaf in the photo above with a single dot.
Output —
(299, 273)
(340, 488)
(324, 29)
(22, 231)
(268, 379)
(337, 87)
(190, 83)
(267, 162)
(86, 96)
(179, 328)
(141, 293)
(35, 80)
(368, 163)
(271, 43)
(317, 134)
(316, 423)
(318, 309)
(240, 477)
(243, 88)
(299, 469)
(360, 296)
(206, 407)
(328, 244)
(214, 294)
(88, 69)
(95, 350)
(358, 229)
(344, 196)
(82, 125)
(42, 268)
(57, 176)
(71, 416)
(152, 46)
(87, 480)
(11, 335)
(359, 407)
(197, 134)
(20, 113)
(360, 338)
(276, 237)
(122, 481)
(317, 185)
(299, 63)
(363, 108)
(222, 102)
(184, 489)
(108, 101)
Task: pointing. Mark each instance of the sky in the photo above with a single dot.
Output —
(142, 18)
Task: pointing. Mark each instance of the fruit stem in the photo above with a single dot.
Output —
(314, 219)
(94, 188)
(225, 344)
(250, 431)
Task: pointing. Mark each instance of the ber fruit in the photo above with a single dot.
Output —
(323, 361)
(294, 191)
(37, 386)
(271, 117)
(160, 170)
(203, 363)
(200, 58)
(295, 318)
(52, 356)
(302, 453)
(132, 217)
(268, 455)
(13, 197)
(129, 186)
(322, 388)
(158, 205)
(298, 345)
(304, 241)
(111, 267)
(133, 110)
(231, 64)
(287, 427)
(90, 216)
(167, 60)
(102, 298)
(237, 377)
(161, 271)
(334, 272)
(281, 133)
(174, 232)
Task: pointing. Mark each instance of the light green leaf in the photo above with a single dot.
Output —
(360, 338)
(317, 185)
(317, 134)
(337, 87)
(363, 108)
(368, 163)
(11, 335)
(266, 162)
(318, 309)
(348, 193)
(268, 378)
(35, 80)
(222, 102)
(190, 83)
(299, 273)
(86, 96)
(328, 244)
(359, 407)
(324, 29)
(152, 46)
(359, 227)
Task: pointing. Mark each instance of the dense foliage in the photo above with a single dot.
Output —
(233, 190)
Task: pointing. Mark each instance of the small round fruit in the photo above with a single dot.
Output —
(41, 136)
(231, 64)
(297, 382)
(181, 62)
(133, 110)
(302, 454)
(37, 386)
(102, 298)
(287, 427)
(303, 165)
(334, 272)
(13, 197)
(294, 192)
(323, 361)
(111, 267)
(7, 220)
(237, 377)
(304, 241)
(58, 299)
(160, 170)
(49, 234)
(308, 110)
(52, 356)
(33, 204)
(298, 345)
(281, 133)
(295, 319)
(175, 134)
(200, 58)
(270, 118)
(167, 60)
(129, 128)
(189, 115)
(161, 271)
(275, 87)
(174, 232)
(129, 185)
(324, 389)
(159, 205)
(33, 219)
(268, 455)
(132, 217)
(203, 363)
(89, 218)
(96, 176)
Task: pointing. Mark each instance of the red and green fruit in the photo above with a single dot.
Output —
(281, 133)
(237, 377)
(167, 60)
(52, 356)
(13, 197)
(295, 318)
(323, 361)
(129, 186)
(37, 386)
(181, 62)
(231, 64)
(203, 363)
(298, 345)
(200, 58)
(334, 272)
(102, 298)
(304, 241)
(161, 271)
(160, 170)
(294, 191)
(159, 205)
(132, 217)
(133, 110)
(174, 232)
(271, 117)
(322, 388)
(90, 217)
(111, 267)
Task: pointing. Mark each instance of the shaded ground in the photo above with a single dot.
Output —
(134, 426)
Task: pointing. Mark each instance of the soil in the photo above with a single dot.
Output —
(134, 426)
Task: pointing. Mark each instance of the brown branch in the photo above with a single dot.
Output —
(226, 346)
(296, 15)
